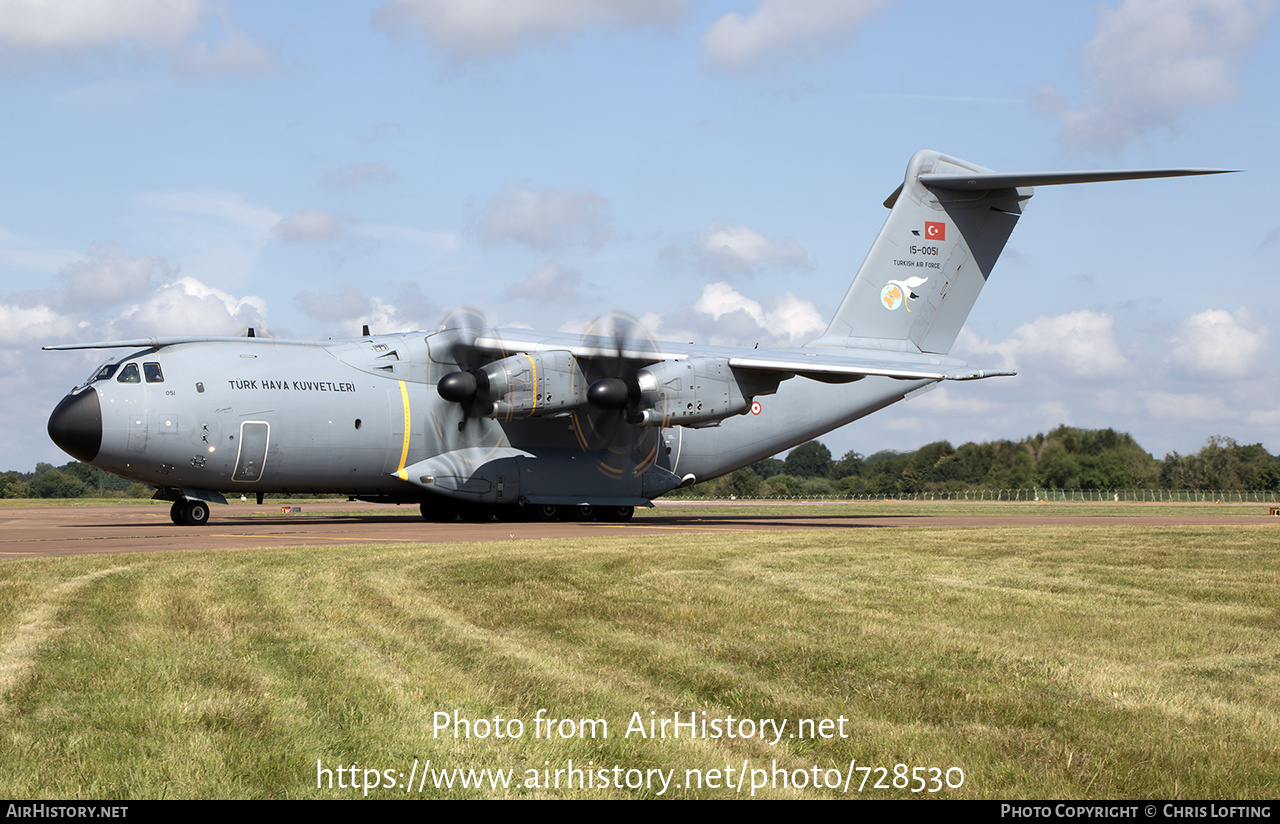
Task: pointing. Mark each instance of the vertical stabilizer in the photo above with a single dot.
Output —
(929, 262)
(948, 222)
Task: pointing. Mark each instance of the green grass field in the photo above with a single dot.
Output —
(1031, 662)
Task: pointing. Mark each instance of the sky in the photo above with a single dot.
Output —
(714, 168)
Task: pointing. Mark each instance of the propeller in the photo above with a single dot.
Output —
(614, 396)
(466, 325)
(468, 387)
(461, 423)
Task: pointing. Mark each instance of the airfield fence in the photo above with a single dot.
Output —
(1035, 494)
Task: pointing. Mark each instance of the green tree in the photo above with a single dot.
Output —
(850, 464)
(809, 460)
(783, 486)
(741, 483)
(768, 467)
(56, 484)
(921, 463)
(1056, 468)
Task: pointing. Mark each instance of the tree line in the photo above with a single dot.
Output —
(71, 480)
(1066, 458)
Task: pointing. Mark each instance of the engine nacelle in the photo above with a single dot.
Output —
(529, 386)
(695, 391)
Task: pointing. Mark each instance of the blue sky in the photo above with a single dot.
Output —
(714, 168)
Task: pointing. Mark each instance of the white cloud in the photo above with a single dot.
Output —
(783, 27)
(197, 34)
(107, 276)
(545, 218)
(23, 325)
(186, 306)
(479, 28)
(383, 317)
(1217, 344)
(411, 302)
(789, 320)
(1264, 417)
(84, 292)
(726, 247)
(237, 54)
(308, 225)
(948, 401)
(1150, 60)
(74, 24)
(1177, 406)
(1054, 410)
(350, 304)
(721, 316)
(1080, 343)
(552, 283)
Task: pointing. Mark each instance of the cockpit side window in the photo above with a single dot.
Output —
(104, 372)
(152, 373)
(129, 374)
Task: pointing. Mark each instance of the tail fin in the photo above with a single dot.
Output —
(948, 223)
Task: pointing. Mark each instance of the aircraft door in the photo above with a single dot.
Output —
(252, 458)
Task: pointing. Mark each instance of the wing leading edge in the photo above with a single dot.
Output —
(816, 363)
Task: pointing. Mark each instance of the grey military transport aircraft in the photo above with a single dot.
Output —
(474, 422)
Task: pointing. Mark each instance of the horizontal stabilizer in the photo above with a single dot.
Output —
(982, 181)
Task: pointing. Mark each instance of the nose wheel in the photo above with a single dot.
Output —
(189, 513)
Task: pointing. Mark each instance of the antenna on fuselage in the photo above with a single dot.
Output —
(365, 331)
(250, 334)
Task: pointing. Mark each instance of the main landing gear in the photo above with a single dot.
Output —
(189, 513)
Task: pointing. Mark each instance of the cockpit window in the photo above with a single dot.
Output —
(152, 373)
(104, 372)
(129, 374)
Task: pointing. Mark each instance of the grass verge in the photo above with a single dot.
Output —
(1081, 662)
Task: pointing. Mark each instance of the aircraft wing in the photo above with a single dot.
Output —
(818, 363)
(504, 342)
(175, 340)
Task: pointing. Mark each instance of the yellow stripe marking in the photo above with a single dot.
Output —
(534, 367)
(404, 450)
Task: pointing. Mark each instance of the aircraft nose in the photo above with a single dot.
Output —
(76, 425)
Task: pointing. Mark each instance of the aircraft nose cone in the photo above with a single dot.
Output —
(76, 425)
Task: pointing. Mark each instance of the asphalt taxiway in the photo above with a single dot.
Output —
(27, 532)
